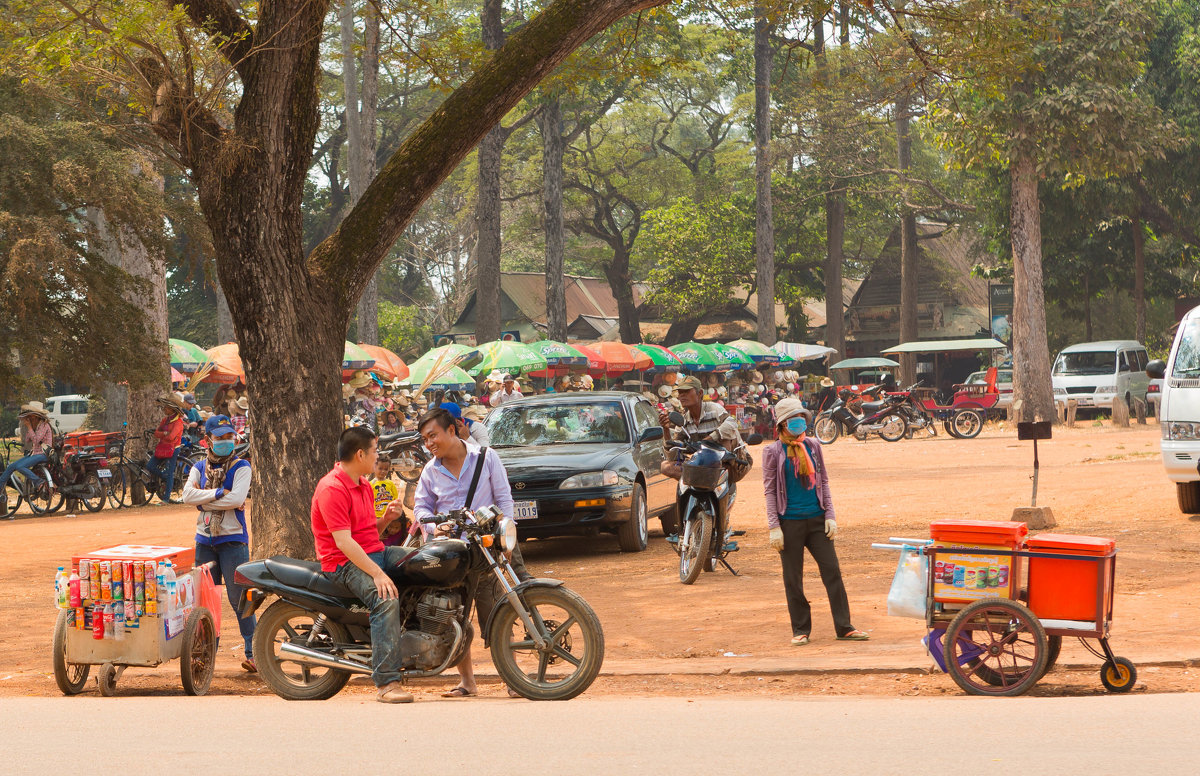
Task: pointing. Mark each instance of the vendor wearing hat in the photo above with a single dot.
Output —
(508, 389)
(191, 418)
(799, 515)
(36, 435)
(168, 435)
(701, 419)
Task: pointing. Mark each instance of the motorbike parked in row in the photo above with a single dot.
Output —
(704, 500)
(884, 416)
(545, 640)
(959, 421)
(77, 475)
(407, 453)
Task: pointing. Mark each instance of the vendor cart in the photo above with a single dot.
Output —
(999, 637)
(186, 630)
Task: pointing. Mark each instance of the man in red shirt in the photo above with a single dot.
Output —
(347, 538)
(167, 436)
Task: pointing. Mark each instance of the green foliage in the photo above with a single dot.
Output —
(402, 331)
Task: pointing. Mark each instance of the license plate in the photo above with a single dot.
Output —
(104, 472)
(525, 510)
(1083, 402)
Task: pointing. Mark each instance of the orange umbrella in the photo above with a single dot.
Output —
(387, 363)
(227, 364)
(619, 358)
(596, 364)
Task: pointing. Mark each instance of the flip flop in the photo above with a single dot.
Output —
(854, 635)
(458, 692)
(800, 641)
(249, 666)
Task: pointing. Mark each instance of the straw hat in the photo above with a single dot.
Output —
(676, 404)
(402, 401)
(756, 376)
(826, 382)
(243, 403)
(664, 391)
(359, 380)
(475, 412)
(172, 400)
(713, 381)
(34, 408)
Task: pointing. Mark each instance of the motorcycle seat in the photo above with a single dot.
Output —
(399, 437)
(305, 574)
(871, 407)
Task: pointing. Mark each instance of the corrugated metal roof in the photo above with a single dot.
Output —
(523, 298)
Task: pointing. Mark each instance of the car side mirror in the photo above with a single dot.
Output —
(1156, 369)
(754, 439)
(650, 434)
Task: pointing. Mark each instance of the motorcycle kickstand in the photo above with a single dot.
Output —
(725, 563)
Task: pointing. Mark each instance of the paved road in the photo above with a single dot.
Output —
(979, 736)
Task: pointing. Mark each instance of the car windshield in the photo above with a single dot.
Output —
(518, 426)
(1102, 362)
(1187, 356)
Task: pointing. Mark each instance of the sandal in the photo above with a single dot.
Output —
(249, 665)
(799, 641)
(854, 635)
(458, 692)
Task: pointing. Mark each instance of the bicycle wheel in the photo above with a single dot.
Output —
(10, 501)
(117, 488)
(44, 499)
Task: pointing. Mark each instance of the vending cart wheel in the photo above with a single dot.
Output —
(70, 677)
(996, 647)
(1118, 676)
(198, 653)
(106, 680)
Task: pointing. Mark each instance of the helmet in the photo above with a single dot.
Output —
(703, 469)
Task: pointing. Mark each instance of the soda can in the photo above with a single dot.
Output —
(85, 579)
(118, 587)
(1002, 577)
(105, 582)
(139, 571)
(131, 617)
(87, 618)
(98, 622)
(151, 589)
(117, 568)
(127, 577)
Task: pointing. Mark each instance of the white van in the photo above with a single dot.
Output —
(67, 413)
(1094, 373)
(1179, 411)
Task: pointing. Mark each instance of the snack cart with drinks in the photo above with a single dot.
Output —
(134, 605)
(993, 634)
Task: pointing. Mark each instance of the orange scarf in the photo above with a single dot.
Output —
(801, 458)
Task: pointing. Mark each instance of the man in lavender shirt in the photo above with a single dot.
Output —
(443, 486)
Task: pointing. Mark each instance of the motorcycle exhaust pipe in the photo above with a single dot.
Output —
(306, 656)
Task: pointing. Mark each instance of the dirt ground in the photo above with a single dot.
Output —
(730, 634)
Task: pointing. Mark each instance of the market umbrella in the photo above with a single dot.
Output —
(796, 351)
(387, 363)
(185, 356)
(355, 358)
(697, 357)
(465, 354)
(863, 363)
(507, 356)
(177, 376)
(449, 378)
(560, 357)
(620, 358)
(226, 364)
(758, 352)
(661, 359)
(596, 364)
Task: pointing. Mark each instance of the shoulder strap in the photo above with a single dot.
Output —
(475, 477)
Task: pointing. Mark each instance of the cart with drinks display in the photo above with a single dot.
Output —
(998, 603)
(176, 620)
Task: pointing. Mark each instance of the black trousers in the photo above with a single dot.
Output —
(797, 535)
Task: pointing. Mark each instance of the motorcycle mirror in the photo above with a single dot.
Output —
(676, 418)
(754, 439)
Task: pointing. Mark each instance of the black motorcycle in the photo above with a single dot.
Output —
(884, 416)
(75, 475)
(545, 641)
(407, 453)
(704, 501)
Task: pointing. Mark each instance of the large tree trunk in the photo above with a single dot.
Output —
(224, 318)
(909, 273)
(1139, 277)
(764, 223)
(487, 207)
(617, 273)
(835, 217)
(553, 148)
(123, 409)
(1033, 394)
(361, 136)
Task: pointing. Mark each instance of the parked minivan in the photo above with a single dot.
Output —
(67, 413)
(1179, 411)
(1094, 373)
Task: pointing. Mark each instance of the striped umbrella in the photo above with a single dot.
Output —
(758, 352)
(662, 360)
(185, 356)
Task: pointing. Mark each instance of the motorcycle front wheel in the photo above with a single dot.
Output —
(284, 622)
(43, 499)
(826, 430)
(695, 544)
(894, 428)
(574, 642)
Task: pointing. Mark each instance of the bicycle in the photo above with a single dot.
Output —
(41, 497)
(186, 455)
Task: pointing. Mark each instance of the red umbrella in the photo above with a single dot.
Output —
(596, 365)
(387, 363)
(619, 358)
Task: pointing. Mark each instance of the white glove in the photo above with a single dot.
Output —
(777, 539)
(831, 529)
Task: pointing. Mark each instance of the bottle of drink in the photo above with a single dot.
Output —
(109, 633)
(60, 589)
(73, 592)
(169, 583)
(119, 621)
(97, 621)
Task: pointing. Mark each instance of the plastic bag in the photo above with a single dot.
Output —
(907, 596)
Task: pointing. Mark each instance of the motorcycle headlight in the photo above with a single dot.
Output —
(507, 534)
(590, 480)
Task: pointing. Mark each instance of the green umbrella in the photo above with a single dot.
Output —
(698, 357)
(186, 357)
(454, 350)
(451, 379)
(863, 363)
(758, 352)
(733, 357)
(506, 356)
(558, 353)
(664, 360)
(354, 357)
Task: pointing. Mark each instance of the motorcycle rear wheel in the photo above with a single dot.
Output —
(283, 622)
(97, 493)
(43, 500)
(827, 430)
(894, 428)
(693, 556)
(576, 645)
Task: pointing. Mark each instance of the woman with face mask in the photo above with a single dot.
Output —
(800, 515)
(218, 487)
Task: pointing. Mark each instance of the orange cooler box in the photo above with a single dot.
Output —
(1061, 589)
(964, 578)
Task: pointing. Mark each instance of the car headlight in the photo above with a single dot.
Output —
(507, 533)
(1180, 431)
(590, 480)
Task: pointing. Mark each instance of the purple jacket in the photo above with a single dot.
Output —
(774, 458)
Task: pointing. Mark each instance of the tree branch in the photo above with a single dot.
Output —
(220, 19)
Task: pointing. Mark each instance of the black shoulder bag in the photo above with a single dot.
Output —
(475, 477)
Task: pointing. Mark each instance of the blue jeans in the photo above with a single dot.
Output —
(230, 555)
(24, 466)
(165, 469)
(385, 614)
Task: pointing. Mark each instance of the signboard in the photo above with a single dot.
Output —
(1000, 311)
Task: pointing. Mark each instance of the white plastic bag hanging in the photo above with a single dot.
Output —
(907, 596)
